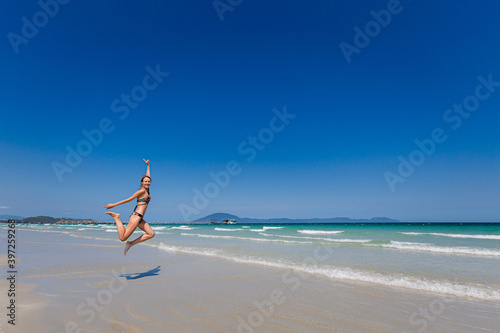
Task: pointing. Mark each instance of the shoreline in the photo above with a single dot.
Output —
(77, 283)
(273, 223)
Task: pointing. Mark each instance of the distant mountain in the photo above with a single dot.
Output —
(40, 219)
(11, 217)
(218, 217)
(225, 216)
(48, 219)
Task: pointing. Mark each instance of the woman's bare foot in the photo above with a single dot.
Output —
(113, 215)
(127, 247)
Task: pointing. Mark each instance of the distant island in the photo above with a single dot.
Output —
(223, 218)
(49, 220)
(217, 217)
(247, 220)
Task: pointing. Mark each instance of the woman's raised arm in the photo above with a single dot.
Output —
(148, 173)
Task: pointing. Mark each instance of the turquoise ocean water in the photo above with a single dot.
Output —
(453, 259)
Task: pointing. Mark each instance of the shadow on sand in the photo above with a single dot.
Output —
(134, 276)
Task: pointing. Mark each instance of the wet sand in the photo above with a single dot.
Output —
(68, 284)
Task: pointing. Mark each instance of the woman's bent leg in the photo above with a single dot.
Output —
(133, 221)
(119, 225)
(149, 233)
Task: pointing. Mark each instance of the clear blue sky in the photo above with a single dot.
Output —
(357, 112)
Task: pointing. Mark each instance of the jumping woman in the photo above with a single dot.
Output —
(136, 218)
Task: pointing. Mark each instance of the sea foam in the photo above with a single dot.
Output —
(266, 228)
(439, 249)
(478, 291)
(183, 227)
(319, 232)
(227, 229)
(494, 237)
(253, 239)
(333, 240)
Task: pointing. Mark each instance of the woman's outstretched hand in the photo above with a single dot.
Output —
(147, 161)
(108, 206)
